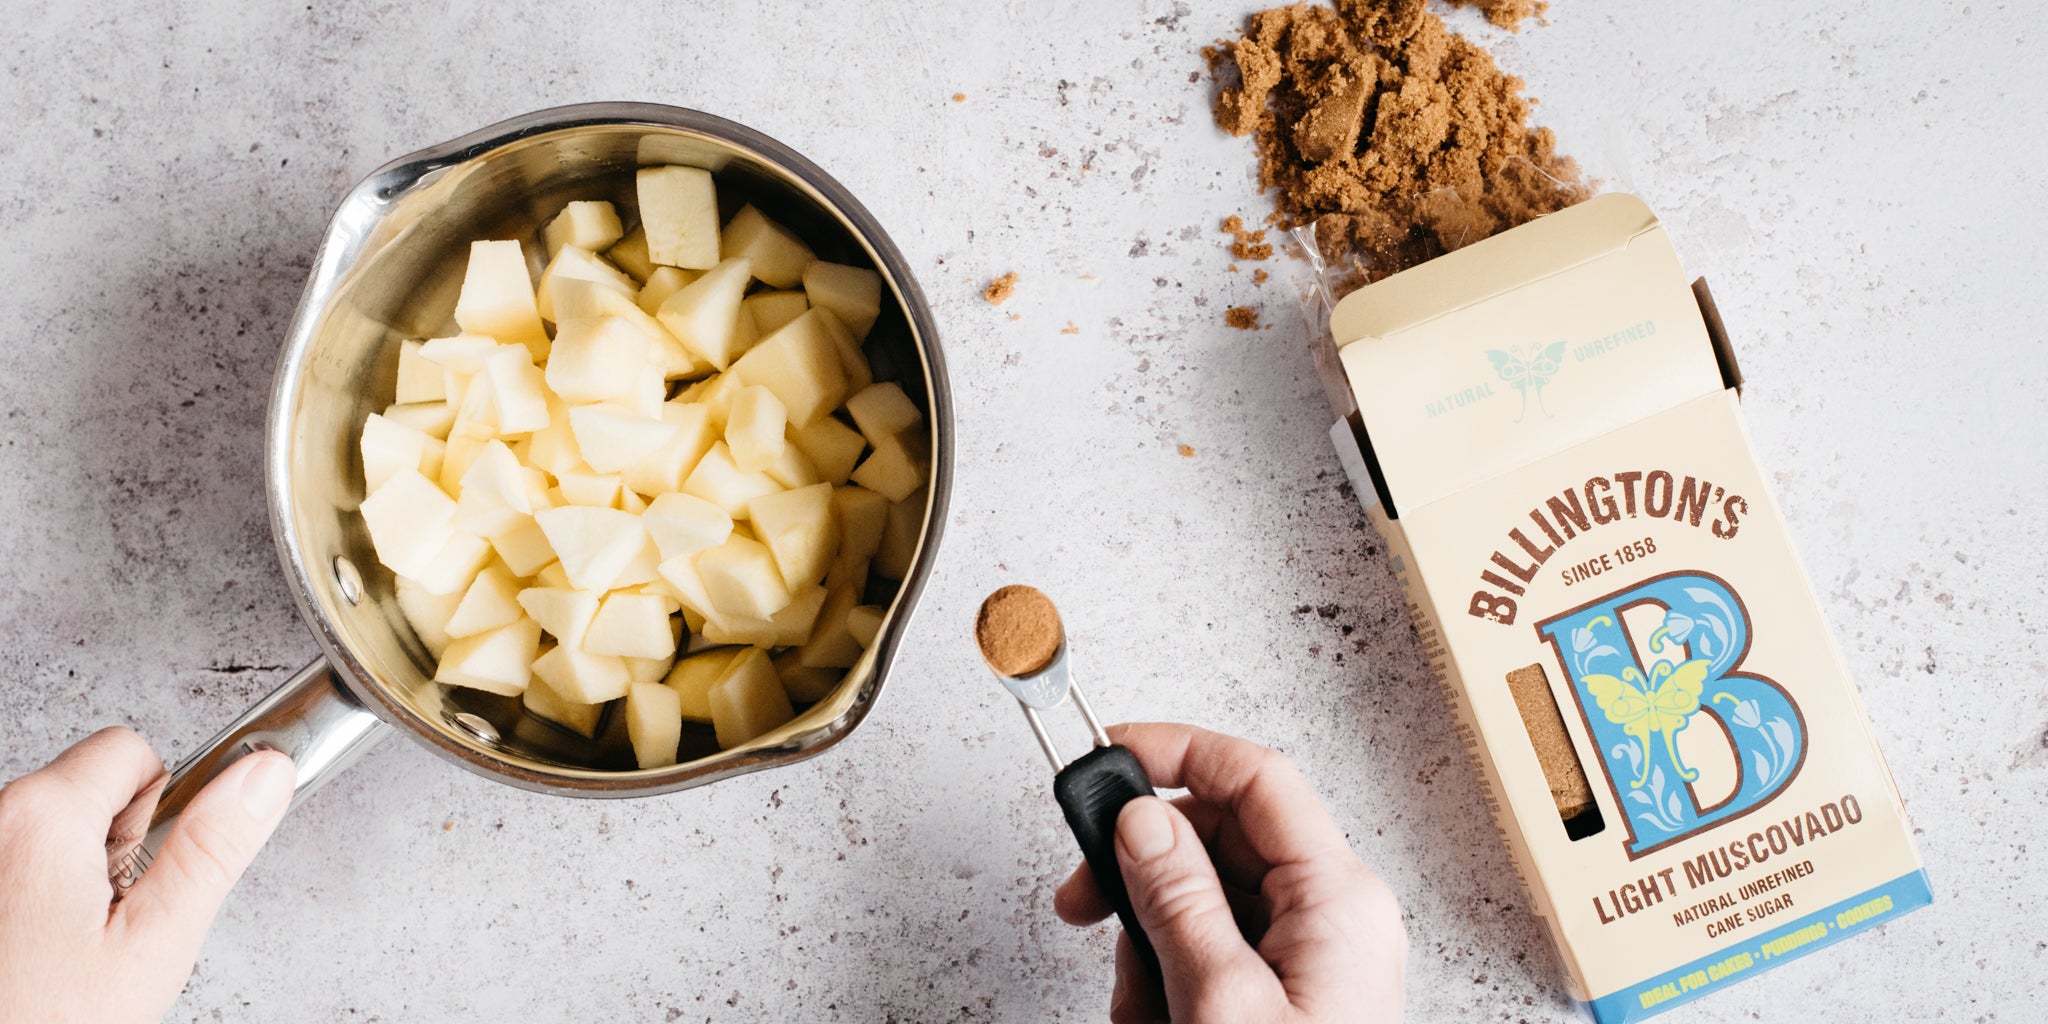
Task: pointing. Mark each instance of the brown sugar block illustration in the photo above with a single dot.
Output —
(1540, 716)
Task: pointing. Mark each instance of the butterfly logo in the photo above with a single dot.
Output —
(1661, 705)
(1527, 368)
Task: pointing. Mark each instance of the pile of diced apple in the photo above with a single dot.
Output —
(661, 475)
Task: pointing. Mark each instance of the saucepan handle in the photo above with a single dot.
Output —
(312, 717)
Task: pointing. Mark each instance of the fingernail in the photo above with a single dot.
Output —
(267, 786)
(1145, 829)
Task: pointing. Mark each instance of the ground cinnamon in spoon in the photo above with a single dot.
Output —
(1398, 139)
(1018, 630)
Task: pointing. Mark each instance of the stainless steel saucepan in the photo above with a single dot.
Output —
(389, 269)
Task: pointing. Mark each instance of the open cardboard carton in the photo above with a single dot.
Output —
(1545, 426)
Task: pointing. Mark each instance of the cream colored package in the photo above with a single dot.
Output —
(1549, 435)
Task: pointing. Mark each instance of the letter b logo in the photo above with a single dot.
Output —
(1638, 694)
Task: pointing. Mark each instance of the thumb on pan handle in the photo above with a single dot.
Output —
(311, 717)
(1092, 791)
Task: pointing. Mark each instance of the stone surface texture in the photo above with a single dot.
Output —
(1862, 184)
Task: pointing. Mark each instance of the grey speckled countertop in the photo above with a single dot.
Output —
(1864, 191)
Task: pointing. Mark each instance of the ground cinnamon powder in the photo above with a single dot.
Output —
(1018, 630)
(1000, 289)
(1396, 138)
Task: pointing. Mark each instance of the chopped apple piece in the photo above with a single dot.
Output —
(433, 419)
(693, 677)
(882, 411)
(687, 584)
(665, 470)
(664, 282)
(583, 300)
(582, 677)
(500, 661)
(864, 622)
(596, 359)
(851, 358)
(741, 631)
(793, 469)
(705, 314)
(719, 481)
(427, 614)
(779, 256)
(789, 627)
(459, 354)
(590, 490)
(714, 395)
(831, 644)
(497, 297)
(584, 224)
(611, 441)
(748, 701)
(833, 447)
(632, 626)
(801, 365)
(899, 540)
(518, 393)
(544, 703)
(477, 417)
(630, 255)
(389, 446)
(418, 379)
(863, 518)
(409, 520)
(523, 548)
(456, 458)
(574, 264)
(594, 544)
(771, 310)
(489, 602)
(651, 670)
(754, 429)
(552, 575)
(645, 566)
(564, 613)
(854, 294)
(741, 579)
(654, 724)
(455, 566)
(800, 530)
(679, 209)
(805, 685)
(495, 471)
(684, 525)
(897, 467)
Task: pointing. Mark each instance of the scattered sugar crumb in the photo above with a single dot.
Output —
(1016, 316)
(1070, 328)
(1260, 276)
(1187, 451)
(1233, 268)
(1244, 318)
(448, 826)
(959, 97)
(1247, 243)
(1087, 277)
(1000, 289)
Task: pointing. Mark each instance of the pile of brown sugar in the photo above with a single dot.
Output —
(1018, 630)
(1396, 138)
